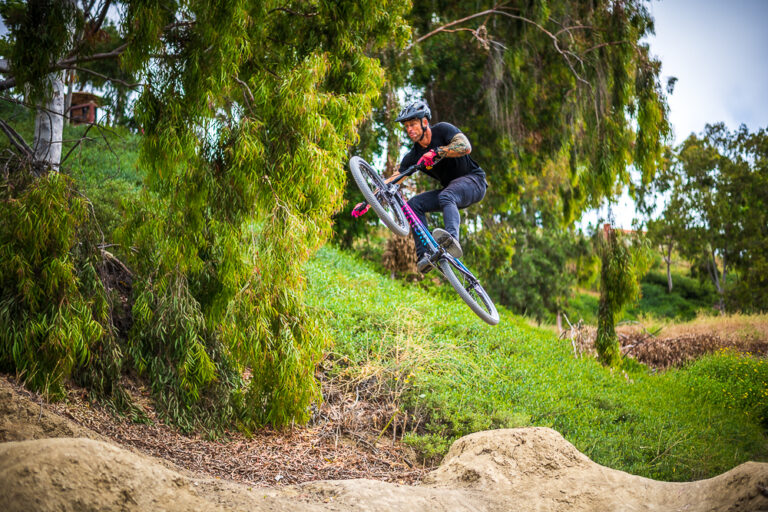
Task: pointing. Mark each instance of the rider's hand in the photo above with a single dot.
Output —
(428, 159)
(360, 209)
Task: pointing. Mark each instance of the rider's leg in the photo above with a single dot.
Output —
(421, 204)
(459, 193)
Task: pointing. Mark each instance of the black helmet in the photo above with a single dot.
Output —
(414, 110)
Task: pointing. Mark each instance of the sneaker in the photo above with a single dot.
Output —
(447, 242)
(424, 265)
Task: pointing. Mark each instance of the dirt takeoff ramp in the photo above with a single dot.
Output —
(532, 469)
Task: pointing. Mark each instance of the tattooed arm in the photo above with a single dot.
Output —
(459, 146)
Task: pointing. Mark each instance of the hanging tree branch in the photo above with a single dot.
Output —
(116, 52)
(501, 10)
(16, 139)
(105, 77)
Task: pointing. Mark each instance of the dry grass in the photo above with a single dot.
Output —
(738, 329)
(665, 345)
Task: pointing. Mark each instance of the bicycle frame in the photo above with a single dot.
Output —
(420, 231)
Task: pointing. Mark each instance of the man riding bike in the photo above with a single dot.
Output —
(462, 181)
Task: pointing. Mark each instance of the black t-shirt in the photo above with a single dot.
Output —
(447, 169)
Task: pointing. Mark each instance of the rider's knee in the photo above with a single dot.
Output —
(446, 198)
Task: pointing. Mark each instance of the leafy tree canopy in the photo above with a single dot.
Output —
(715, 210)
(247, 109)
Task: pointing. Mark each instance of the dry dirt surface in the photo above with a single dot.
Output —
(48, 463)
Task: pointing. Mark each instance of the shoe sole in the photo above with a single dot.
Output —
(441, 237)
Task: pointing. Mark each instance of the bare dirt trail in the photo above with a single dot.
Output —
(48, 463)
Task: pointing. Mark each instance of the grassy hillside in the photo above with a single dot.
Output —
(454, 375)
(689, 297)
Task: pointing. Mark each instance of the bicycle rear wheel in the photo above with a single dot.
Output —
(470, 290)
(373, 188)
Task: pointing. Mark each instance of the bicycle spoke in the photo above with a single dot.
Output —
(377, 184)
(378, 196)
(469, 289)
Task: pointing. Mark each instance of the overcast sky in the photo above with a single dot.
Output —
(718, 50)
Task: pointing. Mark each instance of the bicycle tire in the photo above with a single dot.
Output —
(475, 296)
(390, 213)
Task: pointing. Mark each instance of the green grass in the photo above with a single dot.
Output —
(689, 297)
(104, 164)
(101, 160)
(460, 376)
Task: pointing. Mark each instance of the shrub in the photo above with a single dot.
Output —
(53, 307)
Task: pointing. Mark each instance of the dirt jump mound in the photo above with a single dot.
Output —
(502, 470)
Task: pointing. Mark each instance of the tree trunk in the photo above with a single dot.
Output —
(400, 254)
(668, 260)
(70, 76)
(713, 271)
(49, 127)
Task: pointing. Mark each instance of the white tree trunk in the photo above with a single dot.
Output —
(49, 126)
(668, 260)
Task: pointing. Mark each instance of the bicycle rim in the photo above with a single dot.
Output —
(470, 291)
(368, 180)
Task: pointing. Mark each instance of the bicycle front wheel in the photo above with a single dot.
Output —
(470, 291)
(373, 188)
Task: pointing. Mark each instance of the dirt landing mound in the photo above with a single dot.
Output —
(538, 466)
(520, 469)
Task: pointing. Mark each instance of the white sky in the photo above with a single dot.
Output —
(718, 50)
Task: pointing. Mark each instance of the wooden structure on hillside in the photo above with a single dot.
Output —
(84, 108)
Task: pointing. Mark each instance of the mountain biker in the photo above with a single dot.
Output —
(462, 181)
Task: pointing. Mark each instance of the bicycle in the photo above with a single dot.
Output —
(386, 200)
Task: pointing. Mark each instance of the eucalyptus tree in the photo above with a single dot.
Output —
(247, 109)
(716, 208)
(560, 99)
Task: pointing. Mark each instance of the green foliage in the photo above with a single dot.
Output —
(53, 309)
(258, 140)
(681, 425)
(622, 264)
(40, 32)
(430, 447)
(689, 297)
(716, 214)
(98, 175)
(525, 265)
(247, 110)
(542, 125)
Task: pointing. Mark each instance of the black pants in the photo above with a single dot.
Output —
(459, 194)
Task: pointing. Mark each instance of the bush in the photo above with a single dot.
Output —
(53, 307)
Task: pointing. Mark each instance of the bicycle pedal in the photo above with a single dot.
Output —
(424, 265)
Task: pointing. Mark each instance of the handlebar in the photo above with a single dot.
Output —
(411, 170)
(362, 207)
